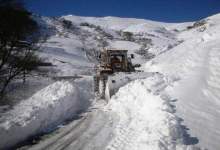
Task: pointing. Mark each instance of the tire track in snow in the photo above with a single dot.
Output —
(80, 134)
(53, 142)
(92, 128)
(141, 118)
(125, 138)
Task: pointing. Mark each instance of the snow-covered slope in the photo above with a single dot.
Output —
(114, 23)
(194, 67)
(181, 91)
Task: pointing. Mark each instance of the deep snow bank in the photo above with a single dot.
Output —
(193, 68)
(44, 110)
(146, 117)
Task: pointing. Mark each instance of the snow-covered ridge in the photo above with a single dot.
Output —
(111, 22)
(117, 23)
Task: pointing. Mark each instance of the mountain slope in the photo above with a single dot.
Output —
(194, 67)
(180, 88)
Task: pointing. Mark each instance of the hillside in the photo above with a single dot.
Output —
(173, 104)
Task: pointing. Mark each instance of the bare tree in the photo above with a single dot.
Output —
(18, 38)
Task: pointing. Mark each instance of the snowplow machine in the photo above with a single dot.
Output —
(113, 65)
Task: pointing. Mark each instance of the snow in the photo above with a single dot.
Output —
(147, 28)
(44, 110)
(119, 80)
(194, 68)
(133, 119)
(173, 104)
(115, 23)
(65, 54)
(124, 45)
(146, 119)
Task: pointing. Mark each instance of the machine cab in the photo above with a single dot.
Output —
(115, 60)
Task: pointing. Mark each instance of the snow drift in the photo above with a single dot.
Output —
(193, 67)
(44, 110)
(146, 117)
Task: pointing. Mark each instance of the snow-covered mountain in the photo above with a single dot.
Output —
(80, 41)
(174, 106)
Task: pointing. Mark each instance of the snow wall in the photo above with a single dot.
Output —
(45, 110)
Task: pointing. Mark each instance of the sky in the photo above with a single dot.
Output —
(158, 10)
